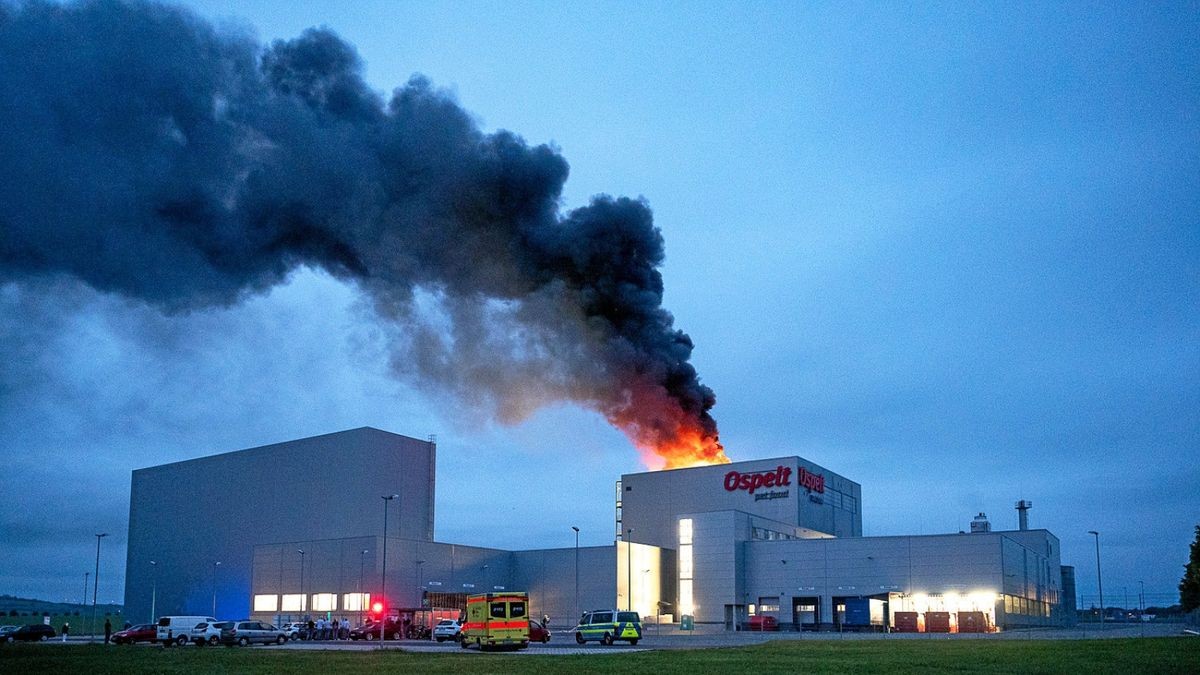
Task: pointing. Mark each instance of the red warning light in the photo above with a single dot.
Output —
(377, 607)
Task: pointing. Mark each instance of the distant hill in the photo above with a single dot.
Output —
(31, 607)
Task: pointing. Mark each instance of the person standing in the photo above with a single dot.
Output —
(107, 630)
(66, 629)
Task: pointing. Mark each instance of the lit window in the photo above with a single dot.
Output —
(685, 561)
(685, 530)
(356, 602)
(686, 605)
(293, 602)
(266, 603)
(324, 602)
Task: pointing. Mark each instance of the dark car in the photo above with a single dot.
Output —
(370, 631)
(143, 632)
(538, 632)
(31, 633)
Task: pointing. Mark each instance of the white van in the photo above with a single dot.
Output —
(178, 628)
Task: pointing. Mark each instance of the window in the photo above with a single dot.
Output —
(685, 597)
(685, 530)
(356, 602)
(324, 602)
(602, 617)
(266, 603)
(627, 617)
(497, 610)
(587, 618)
(294, 602)
(685, 561)
(516, 610)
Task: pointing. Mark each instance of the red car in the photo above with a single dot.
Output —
(145, 632)
(538, 632)
(763, 622)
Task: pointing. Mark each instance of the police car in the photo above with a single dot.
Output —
(607, 626)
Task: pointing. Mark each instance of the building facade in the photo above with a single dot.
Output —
(297, 530)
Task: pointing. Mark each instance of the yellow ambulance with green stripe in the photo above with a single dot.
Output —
(607, 626)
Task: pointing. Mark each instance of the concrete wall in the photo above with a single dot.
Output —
(188, 515)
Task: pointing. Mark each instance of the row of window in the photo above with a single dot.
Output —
(769, 535)
(1017, 605)
(840, 500)
(321, 602)
(685, 567)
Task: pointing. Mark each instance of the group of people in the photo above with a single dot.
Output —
(326, 629)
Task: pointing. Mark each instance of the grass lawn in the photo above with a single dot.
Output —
(1151, 655)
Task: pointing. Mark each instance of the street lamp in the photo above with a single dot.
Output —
(303, 598)
(577, 613)
(216, 564)
(96, 585)
(154, 591)
(420, 578)
(383, 575)
(362, 561)
(1099, 580)
(628, 571)
(486, 579)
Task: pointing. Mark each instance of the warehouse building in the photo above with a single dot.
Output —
(730, 546)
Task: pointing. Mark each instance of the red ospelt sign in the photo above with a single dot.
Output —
(781, 476)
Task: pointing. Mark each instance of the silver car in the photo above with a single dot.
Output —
(244, 633)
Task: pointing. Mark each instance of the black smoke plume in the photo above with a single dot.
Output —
(146, 153)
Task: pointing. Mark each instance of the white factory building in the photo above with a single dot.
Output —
(735, 545)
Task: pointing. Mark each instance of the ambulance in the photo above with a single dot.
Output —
(496, 620)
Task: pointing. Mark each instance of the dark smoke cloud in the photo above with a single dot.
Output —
(148, 154)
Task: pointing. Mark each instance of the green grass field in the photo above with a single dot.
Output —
(1152, 655)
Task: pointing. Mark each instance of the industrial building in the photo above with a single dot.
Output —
(724, 545)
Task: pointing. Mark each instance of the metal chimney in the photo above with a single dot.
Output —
(1023, 514)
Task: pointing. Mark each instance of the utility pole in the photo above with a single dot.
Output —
(577, 612)
(96, 585)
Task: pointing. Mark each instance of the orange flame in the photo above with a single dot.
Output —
(667, 436)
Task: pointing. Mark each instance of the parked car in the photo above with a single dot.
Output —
(175, 629)
(293, 630)
(143, 632)
(205, 633)
(763, 622)
(447, 629)
(608, 626)
(370, 631)
(31, 633)
(538, 632)
(244, 633)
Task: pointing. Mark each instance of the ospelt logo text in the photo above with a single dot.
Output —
(781, 476)
(750, 482)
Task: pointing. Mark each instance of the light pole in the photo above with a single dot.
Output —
(1099, 579)
(628, 571)
(154, 590)
(486, 580)
(383, 575)
(362, 561)
(303, 598)
(216, 564)
(420, 578)
(96, 585)
(86, 576)
(577, 613)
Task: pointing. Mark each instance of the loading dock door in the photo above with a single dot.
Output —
(806, 612)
